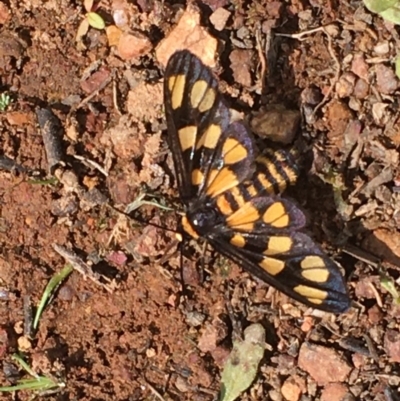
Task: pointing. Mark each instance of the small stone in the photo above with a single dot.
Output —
(359, 360)
(188, 34)
(345, 85)
(24, 344)
(181, 384)
(291, 389)
(274, 8)
(95, 81)
(361, 89)
(4, 13)
(391, 250)
(359, 66)
(195, 318)
(215, 4)
(19, 118)
(311, 96)
(151, 353)
(66, 293)
(219, 18)
(277, 124)
(131, 47)
(338, 116)
(212, 335)
(335, 392)
(392, 345)
(375, 315)
(113, 35)
(241, 65)
(308, 324)
(382, 48)
(386, 80)
(323, 364)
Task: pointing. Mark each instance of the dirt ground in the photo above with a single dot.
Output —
(138, 338)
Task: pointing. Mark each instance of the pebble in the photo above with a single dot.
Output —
(241, 65)
(219, 18)
(292, 388)
(324, 365)
(131, 47)
(359, 66)
(386, 80)
(361, 89)
(345, 85)
(392, 345)
(277, 123)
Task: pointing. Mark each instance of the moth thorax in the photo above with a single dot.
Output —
(203, 221)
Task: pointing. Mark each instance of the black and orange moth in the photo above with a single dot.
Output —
(232, 196)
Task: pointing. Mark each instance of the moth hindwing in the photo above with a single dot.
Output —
(232, 196)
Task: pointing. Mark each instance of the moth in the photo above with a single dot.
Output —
(232, 195)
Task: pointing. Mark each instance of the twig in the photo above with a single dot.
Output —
(377, 296)
(300, 36)
(371, 348)
(262, 58)
(115, 100)
(153, 390)
(11, 165)
(27, 316)
(83, 268)
(94, 93)
(362, 255)
(51, 131)
(92, 163)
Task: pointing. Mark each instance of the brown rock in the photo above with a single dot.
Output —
(345, 85)
(361, 89)
(274, 9)
(335, 392)
(277, 124)
(385, 244)
(19, 118)
(219, 18)
(323, 364)
(386, 80)
(241, 65)
(359, 360)
(212, 335)
(392, 345)
(113, 35)
(292, 388)
(375, 314)
(4, 13)
(131, 47)
(360, 67)
(95, 81)
(214, 4)
(188, 34)
(338, 116)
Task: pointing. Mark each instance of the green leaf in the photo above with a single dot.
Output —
(54, 282)
(388, 284)
(397, 66)
(392, 15)
(377, 6)
(241, 367)
(95, 20)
